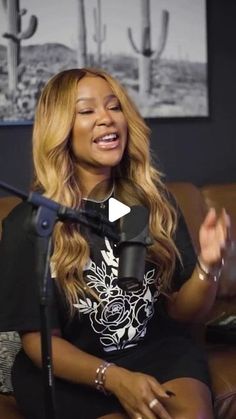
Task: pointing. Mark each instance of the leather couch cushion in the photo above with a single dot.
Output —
(6, 205)
(222, 367)
(192, 205)
(9, 408)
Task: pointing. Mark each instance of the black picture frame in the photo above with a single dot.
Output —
(139, 42)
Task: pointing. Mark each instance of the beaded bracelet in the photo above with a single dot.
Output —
(100, 378)
(208, 273)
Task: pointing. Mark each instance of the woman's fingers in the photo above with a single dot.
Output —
(157, 407)
(222, 231)
(214, 236)
(210, 218)
(152, 409)
(154, 404)
(141, 395)
(226, 224)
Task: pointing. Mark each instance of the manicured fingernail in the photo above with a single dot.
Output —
(170, 393)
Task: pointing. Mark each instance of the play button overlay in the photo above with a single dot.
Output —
(106, 208)
(116, 209)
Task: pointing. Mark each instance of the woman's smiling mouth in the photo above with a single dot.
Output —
(108, 141)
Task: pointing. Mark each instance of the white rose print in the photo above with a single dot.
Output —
(120, 318)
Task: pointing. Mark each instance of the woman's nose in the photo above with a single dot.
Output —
(104, 117)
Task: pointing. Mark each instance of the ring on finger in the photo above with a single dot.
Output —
(153, 403)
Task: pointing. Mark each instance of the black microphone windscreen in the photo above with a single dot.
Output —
(134, 223)
(131, 248)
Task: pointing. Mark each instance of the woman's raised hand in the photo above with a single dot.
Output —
(214, 238)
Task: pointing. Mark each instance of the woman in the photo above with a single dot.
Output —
(115, 354)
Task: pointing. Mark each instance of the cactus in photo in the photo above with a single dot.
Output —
(15, 35)
(100, 32)
(146, 54)
(82, 38)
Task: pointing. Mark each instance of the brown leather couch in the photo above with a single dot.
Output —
(222, 355)
(194, 203)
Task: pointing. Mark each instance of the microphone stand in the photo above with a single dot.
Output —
(47, 214)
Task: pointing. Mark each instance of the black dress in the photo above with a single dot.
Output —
(132, 330)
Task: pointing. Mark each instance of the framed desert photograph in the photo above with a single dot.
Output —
(157, 49)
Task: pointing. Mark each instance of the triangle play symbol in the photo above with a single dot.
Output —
(116, 209)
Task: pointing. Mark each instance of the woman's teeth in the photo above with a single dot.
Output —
(107, 138)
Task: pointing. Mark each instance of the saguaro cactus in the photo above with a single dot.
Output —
(15, 35)
(145, 52)
(82, 38)
(100, 31)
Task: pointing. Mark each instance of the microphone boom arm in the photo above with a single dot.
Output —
(44, 219)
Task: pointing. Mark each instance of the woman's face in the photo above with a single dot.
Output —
(99, 134)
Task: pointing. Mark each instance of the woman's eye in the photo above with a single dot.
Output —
(85, 111)
(115, 107)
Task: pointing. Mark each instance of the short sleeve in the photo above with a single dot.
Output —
(183, 242)
(19, 287)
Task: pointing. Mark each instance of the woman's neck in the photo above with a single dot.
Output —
(96, 184)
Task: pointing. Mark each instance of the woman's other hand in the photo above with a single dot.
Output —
(140, 394)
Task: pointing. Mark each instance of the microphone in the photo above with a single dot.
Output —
(131, 249)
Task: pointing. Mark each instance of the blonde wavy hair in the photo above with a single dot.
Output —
(55, 177)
